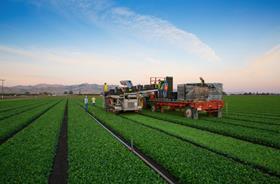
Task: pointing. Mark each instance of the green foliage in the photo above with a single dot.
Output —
(10, 125)
(246, 121)
(191, 164)
(258, 155)
(253, 135)
(28, 156)
(19, 110)
(268, 105)
(96, 157)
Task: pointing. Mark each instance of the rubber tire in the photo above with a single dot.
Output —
(188, 113)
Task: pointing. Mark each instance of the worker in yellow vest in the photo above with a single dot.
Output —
(105, 89)
(93, 101)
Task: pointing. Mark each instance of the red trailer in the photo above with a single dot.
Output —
(190, 108)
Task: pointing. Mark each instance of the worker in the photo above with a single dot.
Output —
(93, 101)
(202, 81)
(105, 89)
(165, 89)
(105, 93)
(159, 88)
(86, 103)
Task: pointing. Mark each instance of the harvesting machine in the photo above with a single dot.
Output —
(190, 98)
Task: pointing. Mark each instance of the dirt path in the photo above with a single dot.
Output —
(59, 174)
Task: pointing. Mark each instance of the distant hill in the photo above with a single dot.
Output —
(57, 89)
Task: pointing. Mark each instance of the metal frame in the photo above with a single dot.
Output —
(154, 80)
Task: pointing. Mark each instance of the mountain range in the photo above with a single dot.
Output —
(56, 89)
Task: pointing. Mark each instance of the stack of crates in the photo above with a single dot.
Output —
(195, 91)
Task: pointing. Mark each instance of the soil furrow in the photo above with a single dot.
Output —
(60, 166)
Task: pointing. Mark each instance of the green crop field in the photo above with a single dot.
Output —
(42, 139)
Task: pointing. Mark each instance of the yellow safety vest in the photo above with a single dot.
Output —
(105, 88)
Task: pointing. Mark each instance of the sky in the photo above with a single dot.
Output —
(235, 42)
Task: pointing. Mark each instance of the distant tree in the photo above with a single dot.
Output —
(71, 92)
(65, 92)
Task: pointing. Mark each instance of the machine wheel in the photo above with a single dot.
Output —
(188, 113)
(153, 108)
(219, 113)
(195, 114)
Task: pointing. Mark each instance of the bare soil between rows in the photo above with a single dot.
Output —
(59, 173)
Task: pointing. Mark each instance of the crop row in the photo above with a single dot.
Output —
(28, 156)
(7, 105)
(254, 119)
(228, 127)
(260, 156)
(190, 163)
(17, 111)
(248, 124)
(252, 135)
(10, 126)
(266, 116)
(96, 157)
(254, 104)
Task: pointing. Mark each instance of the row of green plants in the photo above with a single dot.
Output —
(226, 127)
(248, 134)
(244, 114)
(15, 123)
(253, 119)
(246, 123)
(6, 105)
(96, 157)
(28, 156)
(13, 112)
(190, 163)
(256, 155)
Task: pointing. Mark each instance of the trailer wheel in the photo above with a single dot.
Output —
(195, 114)
(188, 113)
(153, 108)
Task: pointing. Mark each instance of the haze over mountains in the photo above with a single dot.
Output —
(57, 89)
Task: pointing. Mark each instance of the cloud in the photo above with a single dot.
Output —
(104, 13)
(158, 29)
